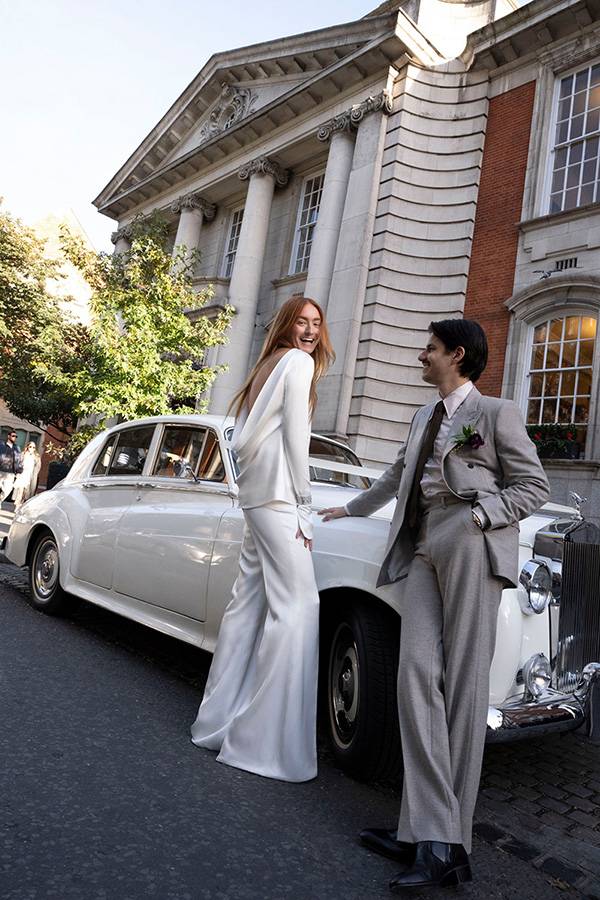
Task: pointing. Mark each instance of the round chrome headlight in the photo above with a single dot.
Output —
(537, 675)
(537, 581)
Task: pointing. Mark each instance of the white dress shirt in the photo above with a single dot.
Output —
(432, 483)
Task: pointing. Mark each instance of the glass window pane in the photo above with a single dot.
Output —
(591, 149)
(564, 109)
(594, 97)
(179, 452)
(569, 354)
(562, 132)
(565, 410)
(584, 383)
(551, 385)
(556, 329)
(571, 199)
(560, 157)
(592, 121)
(571, 328)
(103, 461)
(211, 463)
(549, 411)
(533, 412)
(537, 357)
(578, 104)
(581, 80)
(568, 383)
(576, 153)
(131, 450)
(556, 203)
(576, 127)
(535, 388)
(566, 86)
(558, 180)
(589, 171)
(582, 409)
(573, 173)
(553, 356)
(587, 194)
(588, 327)
(586, 353)
(540, 333)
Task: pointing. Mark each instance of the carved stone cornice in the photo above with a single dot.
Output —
(262, 165)
(351, 118)
(195, 201)
(125, 232)
(569, 53)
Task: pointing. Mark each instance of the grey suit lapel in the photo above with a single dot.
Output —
(468, 413)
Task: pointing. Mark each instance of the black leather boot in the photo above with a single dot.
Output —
(436, 864)
(384, 842)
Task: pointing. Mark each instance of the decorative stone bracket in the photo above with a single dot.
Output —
(125, 232)
(262, 165)
(351, 118)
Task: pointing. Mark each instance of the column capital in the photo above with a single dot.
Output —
(125, 232)
(195, 201)
(351, 118)
(262, 165)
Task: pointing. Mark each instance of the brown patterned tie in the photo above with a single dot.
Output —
(412, 507)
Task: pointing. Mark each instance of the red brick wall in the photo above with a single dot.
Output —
(495, 237)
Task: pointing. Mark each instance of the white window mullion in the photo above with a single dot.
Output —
(308, 212)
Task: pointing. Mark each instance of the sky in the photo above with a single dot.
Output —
(84, 82)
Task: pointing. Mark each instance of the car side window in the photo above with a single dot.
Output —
(129, 455)
(323, 449)
(103, 461)
(186, 451)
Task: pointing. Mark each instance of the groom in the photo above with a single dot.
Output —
(466, 475)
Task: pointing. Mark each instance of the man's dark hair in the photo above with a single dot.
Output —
(471, 337)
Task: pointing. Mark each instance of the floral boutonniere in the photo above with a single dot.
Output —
(468, 437)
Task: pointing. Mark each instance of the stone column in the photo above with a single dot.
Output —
(262, 175)
(349, 280)
(335, 184)
(193, 210)
(121, 238)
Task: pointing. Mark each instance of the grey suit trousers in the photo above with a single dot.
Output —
(449, 608)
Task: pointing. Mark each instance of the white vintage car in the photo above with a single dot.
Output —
(146, 524)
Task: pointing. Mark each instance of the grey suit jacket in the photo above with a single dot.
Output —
(504, 477)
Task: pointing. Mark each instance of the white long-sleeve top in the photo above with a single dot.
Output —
(271, 441)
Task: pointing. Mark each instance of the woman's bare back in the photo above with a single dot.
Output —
(263, 373)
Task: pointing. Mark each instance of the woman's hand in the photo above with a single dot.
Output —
(332, 512)
(307, 541)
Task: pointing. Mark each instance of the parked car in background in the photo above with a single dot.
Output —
(146, 523)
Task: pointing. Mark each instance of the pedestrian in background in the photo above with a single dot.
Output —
(10, 464)
(26, 481)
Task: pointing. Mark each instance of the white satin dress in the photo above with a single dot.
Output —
(259, 705)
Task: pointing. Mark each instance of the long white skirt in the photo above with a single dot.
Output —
(259, 706)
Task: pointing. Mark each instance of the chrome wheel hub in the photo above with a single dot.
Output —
(45, 570)
(344, 683)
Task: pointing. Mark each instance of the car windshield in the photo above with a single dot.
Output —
(332, 451)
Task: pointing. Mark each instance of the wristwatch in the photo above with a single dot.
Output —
(476, 519)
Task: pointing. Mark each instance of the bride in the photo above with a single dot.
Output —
(259, 705)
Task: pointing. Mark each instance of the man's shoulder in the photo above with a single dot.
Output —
(496, 404)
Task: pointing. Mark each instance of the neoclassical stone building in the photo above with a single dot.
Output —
(434, 158)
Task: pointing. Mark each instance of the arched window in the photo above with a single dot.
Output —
(560, 373)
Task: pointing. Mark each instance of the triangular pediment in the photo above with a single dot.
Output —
(235, 102)
(249, 78)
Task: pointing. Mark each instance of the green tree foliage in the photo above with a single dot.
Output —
(35, 332)
(143, 352)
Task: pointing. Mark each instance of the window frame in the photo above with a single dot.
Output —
(546, 314)
(293, 270)
(227, 253)
(553, 122)
(176, 481)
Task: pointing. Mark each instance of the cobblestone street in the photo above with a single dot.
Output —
(539, 800)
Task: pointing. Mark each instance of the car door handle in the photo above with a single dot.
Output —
(88, 485)
(145, 484)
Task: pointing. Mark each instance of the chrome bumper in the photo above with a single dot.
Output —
(554, 711)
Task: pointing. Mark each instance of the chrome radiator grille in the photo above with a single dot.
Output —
(579, 617)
